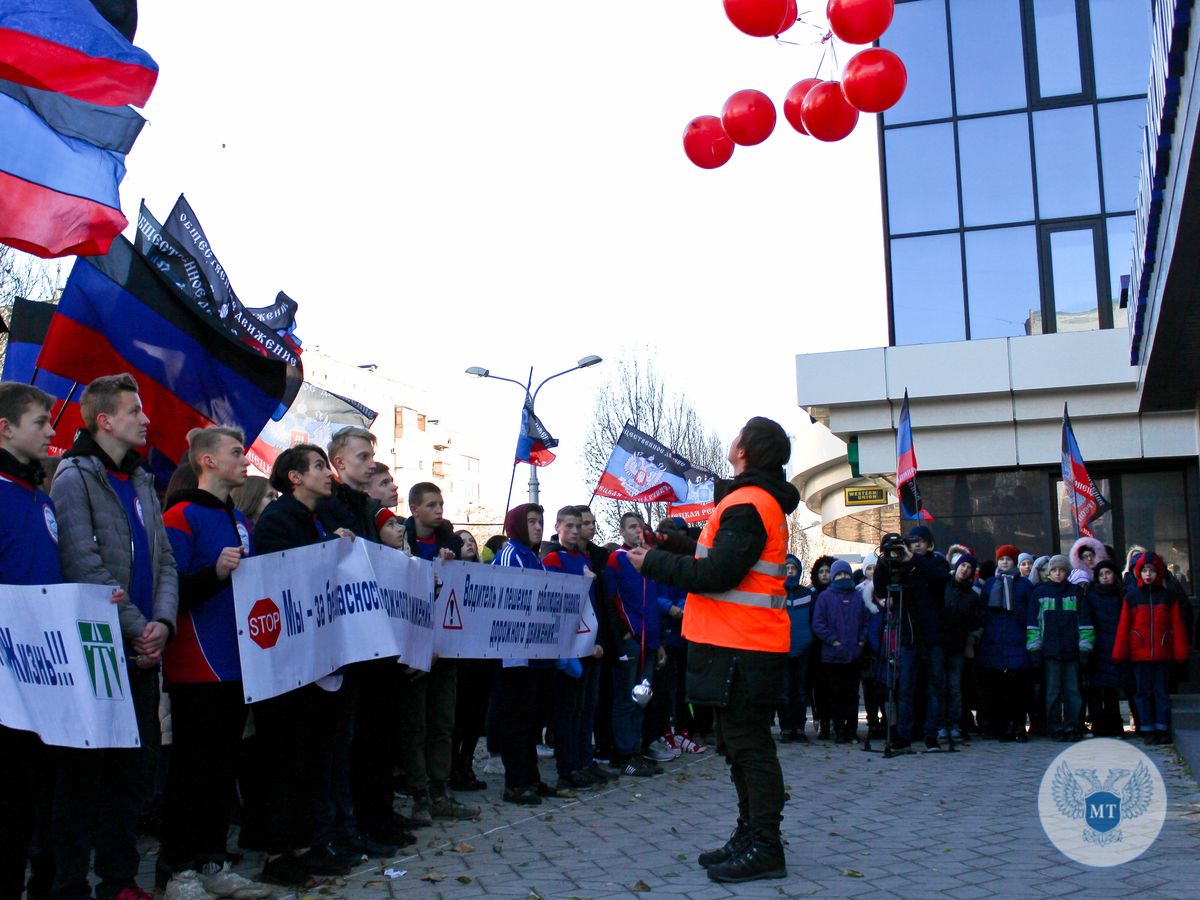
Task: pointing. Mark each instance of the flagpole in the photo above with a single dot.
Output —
(511, 482)
(66, 402)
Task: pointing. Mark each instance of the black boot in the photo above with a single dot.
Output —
(738, 841)
(761, 858)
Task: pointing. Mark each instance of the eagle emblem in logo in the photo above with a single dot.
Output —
(641, 473)
(1102, 805)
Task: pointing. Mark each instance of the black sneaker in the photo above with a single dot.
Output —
(522, 796)
(640, 768)
(738, 841)
(286, 871)
(762, 858)
(360, 845)
(931, 745)
(324, 861)
(600, 775)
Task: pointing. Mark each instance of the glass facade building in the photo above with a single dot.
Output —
(1010, 167)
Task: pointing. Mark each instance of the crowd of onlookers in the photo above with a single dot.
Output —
(934, 646)
(1007, 648)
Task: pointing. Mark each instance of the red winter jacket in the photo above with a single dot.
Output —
(1151, 628)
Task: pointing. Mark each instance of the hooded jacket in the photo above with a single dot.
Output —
(1105, 602)
(961, 603)
(351, 509)
(800, 602)
(1087, 543)
(28, 527)
(737, 546)
(519, 554)
(95, 542)
(1059, 621)
(1151, 628)
(841, 617)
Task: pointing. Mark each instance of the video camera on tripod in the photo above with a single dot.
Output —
(894, 556)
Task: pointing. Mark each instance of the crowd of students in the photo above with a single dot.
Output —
(1008, 648)
(312, 774)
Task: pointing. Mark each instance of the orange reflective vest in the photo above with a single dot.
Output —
(753, 615)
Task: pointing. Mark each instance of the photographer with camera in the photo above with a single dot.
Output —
(910, 574)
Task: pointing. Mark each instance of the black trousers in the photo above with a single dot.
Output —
(1008, 698)
(207, 722)
(21, 753)
(512, 721)
(98, 797)
(376, 744)
(474, 690)
(288, 764)
(843, 688)
(744, 739)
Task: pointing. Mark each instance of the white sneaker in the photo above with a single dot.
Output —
(224, 882)
(493, 766)
(186, 885)
(545, 752)
(660, 752)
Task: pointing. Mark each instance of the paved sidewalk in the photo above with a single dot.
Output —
(960, 825)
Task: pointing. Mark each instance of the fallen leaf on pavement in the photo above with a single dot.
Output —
(640, 886)
(463, 879)
(463, 847)
(852, 873)
(433, 876)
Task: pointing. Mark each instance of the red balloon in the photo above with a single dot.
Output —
(826, 114)
(706, 143)
(757, 18)
(860, 21)
(795, 99)
(790, 18)
(748, 117)
(874, 80)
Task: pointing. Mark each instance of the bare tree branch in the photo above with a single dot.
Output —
(22, 275)
(637, 395)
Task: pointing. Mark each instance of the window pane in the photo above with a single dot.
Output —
(1003, 291)
(1120, 260)
(1064, 142)
(927, 300)
(1057, 38)
(1121, 46)
(989, 64)
(1101, 527)
(1073, 274)
(918, 35)
(997, 182)
(922, 194)
(1156, 517)
(1121, 126)
(984, 509)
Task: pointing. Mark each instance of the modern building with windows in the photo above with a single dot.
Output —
(1021, 173)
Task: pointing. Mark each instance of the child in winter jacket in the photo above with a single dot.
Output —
(1151, 633)
(1104, 678)
(1060, 636)
(840, 622)
(962, 617)
(793, 701)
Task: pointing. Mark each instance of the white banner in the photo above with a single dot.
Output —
(62, 666)
(303, 614)
(503, 612)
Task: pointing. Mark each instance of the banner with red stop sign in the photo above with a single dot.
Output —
(303, 614)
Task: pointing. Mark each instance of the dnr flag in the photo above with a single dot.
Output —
(116, 315)
(66, 77)
(643, 470)
(313, 418)
(911, 506)
(535, 441)
(1087, 503)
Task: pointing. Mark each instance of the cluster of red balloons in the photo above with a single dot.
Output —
(872, 81)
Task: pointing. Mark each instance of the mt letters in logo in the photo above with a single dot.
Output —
(1102, 802)
(104, 663)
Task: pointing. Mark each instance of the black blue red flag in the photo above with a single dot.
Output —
(117, 315)
(643, 470)
(535, 440)
(911, 506)
(66, 77)
(313, 418)
(1087, 503)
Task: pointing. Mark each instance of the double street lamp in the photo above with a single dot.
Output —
(530, 399)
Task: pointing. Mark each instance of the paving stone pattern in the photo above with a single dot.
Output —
(961, 825)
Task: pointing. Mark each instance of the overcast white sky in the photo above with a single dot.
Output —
(443, 185)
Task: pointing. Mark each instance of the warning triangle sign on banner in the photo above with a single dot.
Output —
(452, 621)
(583, 627)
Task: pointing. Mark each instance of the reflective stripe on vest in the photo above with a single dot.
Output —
(776, 570)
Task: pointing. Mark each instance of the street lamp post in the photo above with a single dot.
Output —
(530, 401)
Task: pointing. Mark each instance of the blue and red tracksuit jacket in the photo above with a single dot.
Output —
(28, 528)
(635, 598)
(205, 647)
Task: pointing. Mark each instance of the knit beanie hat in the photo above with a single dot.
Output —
(1107, 564)
(1023, 557)
(382, 517)
(922, 532)
(840, 567)
(1059, 561)
(1010, 551)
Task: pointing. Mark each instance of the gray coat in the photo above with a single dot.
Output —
(95, 543)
